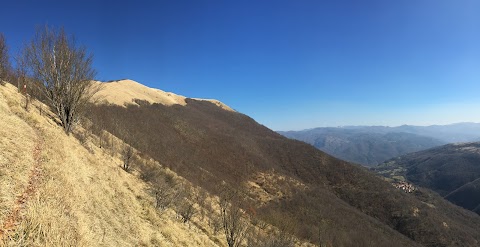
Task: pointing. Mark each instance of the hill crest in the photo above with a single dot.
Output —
(126, 91)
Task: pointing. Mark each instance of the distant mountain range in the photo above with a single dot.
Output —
(451, 170)
(371, 145)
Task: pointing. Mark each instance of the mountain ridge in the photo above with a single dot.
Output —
(467, 131)
(127, 91)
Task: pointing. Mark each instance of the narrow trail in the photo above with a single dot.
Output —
(14, 217)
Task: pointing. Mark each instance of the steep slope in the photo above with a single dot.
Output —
(467, 196)
(452, 170)
(57, 192)
(366, 146)
(287, 182)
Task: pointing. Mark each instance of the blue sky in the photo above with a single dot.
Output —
(288, 64)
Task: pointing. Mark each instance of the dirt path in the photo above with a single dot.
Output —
(14, 216)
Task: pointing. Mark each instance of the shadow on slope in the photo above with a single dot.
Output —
(340, 204)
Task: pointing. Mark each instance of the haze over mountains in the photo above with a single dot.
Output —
(371, 145)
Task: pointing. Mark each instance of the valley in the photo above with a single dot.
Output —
(453, 171)
(372, 145)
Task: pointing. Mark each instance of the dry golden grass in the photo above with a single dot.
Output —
(269, 186)
(125, 91)
(17, 141)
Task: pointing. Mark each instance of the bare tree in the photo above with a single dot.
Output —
(186, 210)
(127, 154)
(20, 74)
(65, 72)
(167, 193)
(234, 226)
(20, 70)
(4, 60)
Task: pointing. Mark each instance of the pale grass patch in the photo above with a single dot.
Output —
(124, 92)
(269, 186)
(17, 141)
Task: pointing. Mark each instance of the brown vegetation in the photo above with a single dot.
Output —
(334, 203)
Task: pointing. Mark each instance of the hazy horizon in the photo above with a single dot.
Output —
(289, 65)
(373, 125)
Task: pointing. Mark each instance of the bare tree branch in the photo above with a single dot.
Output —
(234, 225)
(4, 60)
(65, 72)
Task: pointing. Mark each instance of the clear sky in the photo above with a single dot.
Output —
(288, 64)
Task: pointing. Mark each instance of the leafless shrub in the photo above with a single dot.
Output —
(127, 154)
(101, 138)
(167, 194)
(65, 72)
(148, 170)
(201, 197)
(111, 145)
(23, 83)
(141, 102)
(186, 210)
(215, 223)
(98, 127)
(234, 225)
(4, 61)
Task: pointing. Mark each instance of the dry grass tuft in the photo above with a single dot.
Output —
(269, 186)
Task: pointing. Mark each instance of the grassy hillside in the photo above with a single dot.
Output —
(286, 182)
(57, 191)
